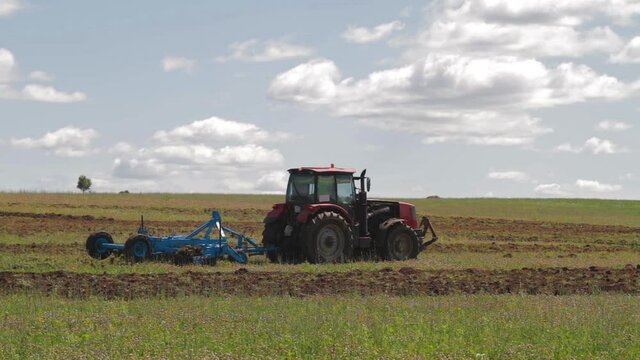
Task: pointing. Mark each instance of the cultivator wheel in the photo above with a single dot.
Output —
(328, 239)
(94, 242)
(401, 244)
(138, 248)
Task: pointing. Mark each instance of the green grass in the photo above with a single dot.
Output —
(78, 261)
(491, 327)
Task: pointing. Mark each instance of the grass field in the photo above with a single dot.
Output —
(499, 262)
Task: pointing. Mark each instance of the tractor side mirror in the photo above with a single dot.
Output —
(368, 184)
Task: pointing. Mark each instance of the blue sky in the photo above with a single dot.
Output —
(455, 98)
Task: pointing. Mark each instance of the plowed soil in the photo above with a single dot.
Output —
(493, 230)
(31, 223)
(495, 247)
(406, 281)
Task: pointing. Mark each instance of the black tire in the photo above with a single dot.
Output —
(271, 236)
(93, 245)
(328, 239)
(138, 248)
(401, 243)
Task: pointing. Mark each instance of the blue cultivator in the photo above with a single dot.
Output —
(196, 248)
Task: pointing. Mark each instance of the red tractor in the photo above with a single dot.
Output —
(328, 218)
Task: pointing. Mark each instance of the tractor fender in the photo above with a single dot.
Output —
(277, 212)
(311, 209)
(385, 226)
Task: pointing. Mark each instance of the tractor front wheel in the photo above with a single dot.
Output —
(94, 245)
(137, 248)
(401, 243)
(328, 238)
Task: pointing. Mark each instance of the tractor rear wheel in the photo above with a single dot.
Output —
(94, 242)
(270, 236)
(137, 248)
(328, 238)
(401, 243)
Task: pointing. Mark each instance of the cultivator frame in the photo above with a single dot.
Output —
(142, 246)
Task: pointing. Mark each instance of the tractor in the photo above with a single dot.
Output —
(327, 218)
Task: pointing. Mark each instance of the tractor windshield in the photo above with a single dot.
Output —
(301, 188)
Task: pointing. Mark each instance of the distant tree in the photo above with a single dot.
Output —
(84, 183)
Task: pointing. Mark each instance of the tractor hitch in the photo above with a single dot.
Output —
(426, 227)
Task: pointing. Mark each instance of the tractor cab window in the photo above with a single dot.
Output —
(346, 190)
(326, 188)
(301, 189)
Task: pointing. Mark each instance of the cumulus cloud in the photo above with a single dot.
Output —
(512, 175)
(67, 142)
(8, 7)
(629, 54)
(540, 28)
(122, 148)
(51, 94)
(361, 35)
(33, 92)
(550, 190)
(254, 50)
(275, 181)
(478, 100)
(612, 125)
(218, 129)
(594, 146)
(176, 63)
(7, 66)
(214, 154)
(596, 186)
(40, 76)
(138, 169)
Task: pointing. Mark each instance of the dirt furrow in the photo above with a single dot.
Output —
(404, 282)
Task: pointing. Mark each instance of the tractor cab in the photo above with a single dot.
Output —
(313, 185)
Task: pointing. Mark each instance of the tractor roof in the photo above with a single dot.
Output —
(323, 169)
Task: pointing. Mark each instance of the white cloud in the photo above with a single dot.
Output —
(612, 125)
(629, 54)
(176, 63)
(40, 76)
(213, 154)
(508, 175)
(542, 28)
(275, 181)
(594, 146)
(363, 35)
(7, 66)
(480, 100)
(218, 129)
(50, 94)
(8, 75)
(596, 187)
(550, 190)
(138, 169)
(198, 156)
(68, 141)
(568, 12)
(8, 7)
(254, 50)
(486, 39)
(122, 148)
